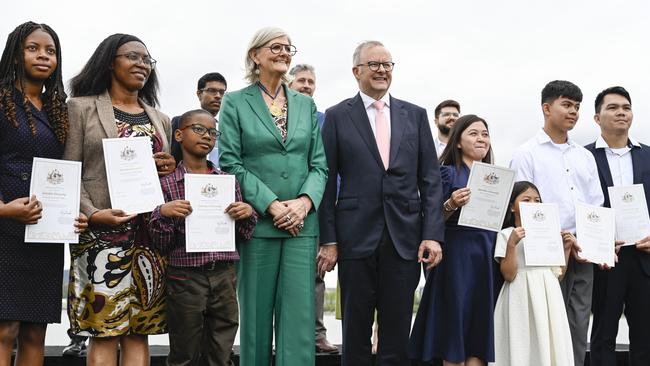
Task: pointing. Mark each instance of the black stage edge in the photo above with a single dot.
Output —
(159, 353)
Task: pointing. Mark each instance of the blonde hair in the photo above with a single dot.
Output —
(260, 38)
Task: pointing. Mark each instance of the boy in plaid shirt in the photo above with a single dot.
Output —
(202, 310)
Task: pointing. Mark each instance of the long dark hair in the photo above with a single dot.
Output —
(12, 72)
(519, 188)
(95, 77)
(452, 155)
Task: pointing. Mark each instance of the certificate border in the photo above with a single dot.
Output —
(35, 163)
(210, 177)
(111, 193)
(504, 209)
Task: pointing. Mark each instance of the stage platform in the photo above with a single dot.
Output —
(159, 353)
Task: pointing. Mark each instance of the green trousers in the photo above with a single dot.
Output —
(276, 284)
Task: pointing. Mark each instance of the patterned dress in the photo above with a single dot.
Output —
(31, 275)
(117, 282)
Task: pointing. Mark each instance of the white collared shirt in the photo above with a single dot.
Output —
(440, 146)
(564, 174)
(372, 112)
(619, 161)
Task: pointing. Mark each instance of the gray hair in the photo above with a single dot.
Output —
(300, 68)
(260, 38)
(362, 47)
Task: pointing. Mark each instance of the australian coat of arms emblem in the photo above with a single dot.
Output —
(593, 217)
(209, 190)
(491, 178)
(128, 153)
(628, 197)
(54, 177)
(539, 216)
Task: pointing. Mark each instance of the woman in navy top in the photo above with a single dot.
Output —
(454, 322)
(33, 123)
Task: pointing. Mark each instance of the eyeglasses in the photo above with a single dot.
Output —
(449, 114)
(137, 58)
(374, 65)
(277, 48)
(214, 91)
(201, 130)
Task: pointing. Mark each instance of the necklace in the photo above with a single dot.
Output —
(274, 108)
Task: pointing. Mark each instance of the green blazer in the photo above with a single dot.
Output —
(250, 147)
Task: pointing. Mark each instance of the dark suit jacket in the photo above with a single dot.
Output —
(641, 174)
(406, 198)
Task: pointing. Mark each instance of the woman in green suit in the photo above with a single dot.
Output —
(271, 141)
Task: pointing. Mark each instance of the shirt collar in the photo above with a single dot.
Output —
(544, 138)
(180, 171)
(602, 144)
(368, 100)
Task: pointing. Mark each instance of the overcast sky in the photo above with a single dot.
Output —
(494, 57)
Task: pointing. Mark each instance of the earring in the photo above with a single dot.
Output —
(257, 71)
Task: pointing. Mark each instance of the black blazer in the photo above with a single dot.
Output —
(406, 198)
(641, 174)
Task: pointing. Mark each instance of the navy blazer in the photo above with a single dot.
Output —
(641, 175)
(406, 198)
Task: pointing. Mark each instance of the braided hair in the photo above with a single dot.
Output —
(12, 74)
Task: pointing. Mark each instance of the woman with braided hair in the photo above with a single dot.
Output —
(33, 123)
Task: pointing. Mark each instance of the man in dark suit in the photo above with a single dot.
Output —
(387, 216)
(625, 288)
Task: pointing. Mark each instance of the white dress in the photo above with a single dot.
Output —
(530, 321)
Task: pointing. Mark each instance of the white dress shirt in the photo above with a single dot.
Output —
(372, 112)
(619, 161)
(440, 146)
(564, 174)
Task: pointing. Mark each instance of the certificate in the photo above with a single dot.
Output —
(208, 228)
(543, 245)
(595, 230)
(57, 186)
(490, 188)
(133, 183)
(631, 208)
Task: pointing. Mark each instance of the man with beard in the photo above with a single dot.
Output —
(303, 80)
(210, 90)
(446, 114)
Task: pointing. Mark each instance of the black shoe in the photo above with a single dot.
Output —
(76, 348)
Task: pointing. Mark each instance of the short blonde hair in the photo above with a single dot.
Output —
(260, 38)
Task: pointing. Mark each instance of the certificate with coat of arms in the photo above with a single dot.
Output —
(490, 188)
(543, 240)
(595, 231)
(209, 228)
(133, 183)
(57, 186)
(631, 208)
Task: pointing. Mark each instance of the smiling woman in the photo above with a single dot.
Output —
(271, 141)
(117, 284)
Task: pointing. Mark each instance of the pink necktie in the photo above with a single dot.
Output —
(381, 133)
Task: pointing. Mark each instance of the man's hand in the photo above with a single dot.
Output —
(644, 244)
(326, 259)
(434, 251)
(178, 208)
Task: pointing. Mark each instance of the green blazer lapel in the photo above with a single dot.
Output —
(294, 111)
(254, 99)
(106, 115)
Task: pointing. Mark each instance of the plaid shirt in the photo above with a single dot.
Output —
(168, 234)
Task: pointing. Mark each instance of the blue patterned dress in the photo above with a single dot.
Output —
(455, 319)
(31, 275)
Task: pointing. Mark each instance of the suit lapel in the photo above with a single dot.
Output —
(359, 119)
(293, 112)
(106, 115)
(254, 99)
(603, 166)
(637, 164)
(398, 117)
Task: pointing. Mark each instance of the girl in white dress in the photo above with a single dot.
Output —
(530, 321)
